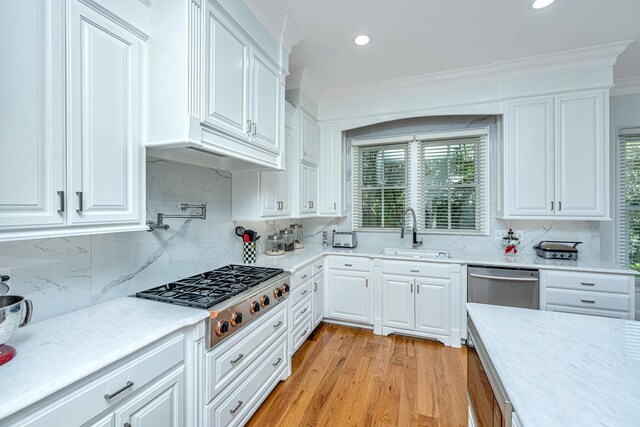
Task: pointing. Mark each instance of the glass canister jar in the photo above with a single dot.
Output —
(298, 233)
(289, 236)
(274, 245)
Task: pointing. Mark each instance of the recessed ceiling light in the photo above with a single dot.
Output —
(362, 40)
(539, 4)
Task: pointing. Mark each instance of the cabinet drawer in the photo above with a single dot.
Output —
(301, 333)
(230, 409)
(318, 266)
(588, 281)
(350, 263)
(421, 269)
(593, 300)
(589, 311)
(230, 358)
(300, 293)
(302, 309)
(301, 276)
(89, 401)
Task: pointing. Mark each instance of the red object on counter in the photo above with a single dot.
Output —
(6, 353)
(245, 238)
(511, 250)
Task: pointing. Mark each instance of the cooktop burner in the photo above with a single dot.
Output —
(205, 290)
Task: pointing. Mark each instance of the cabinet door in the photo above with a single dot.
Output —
(284, 179)
(31, 113)
(348, 296)
(398, 301)
(269, 197)
(329, 170)
(104, 116)
(309, 136)
(265, 89)
(312, 188)
(160, 405)
(529, 158)
(305, 186)
(432, 306)
(227, 56)
(318, 299)
(582, 154)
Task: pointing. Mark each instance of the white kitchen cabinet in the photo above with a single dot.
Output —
(555, 157)
(309, 189)
(330, 171)
(349, 296)
(433, 306)
(308, 138)
(266, 103)
(105, 421)
(104, 116)
(32, 114)
(398, 308)
(318, 298)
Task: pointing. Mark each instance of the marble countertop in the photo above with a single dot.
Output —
(562, 369)
(301, 257)
(56, 353)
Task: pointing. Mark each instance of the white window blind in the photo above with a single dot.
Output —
(629, 198)
(380, 185)
(452, 184)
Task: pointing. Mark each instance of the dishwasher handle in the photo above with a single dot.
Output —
(504, 278)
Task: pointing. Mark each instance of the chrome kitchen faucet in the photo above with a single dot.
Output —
(416, 242)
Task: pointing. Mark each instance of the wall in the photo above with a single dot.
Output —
(65, 274)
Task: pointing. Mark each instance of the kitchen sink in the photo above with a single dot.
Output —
(415, 253)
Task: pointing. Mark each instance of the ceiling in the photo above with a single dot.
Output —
(415, 37)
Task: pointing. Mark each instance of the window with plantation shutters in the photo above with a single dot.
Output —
(629, 198)
(452, 183)
(380, 185)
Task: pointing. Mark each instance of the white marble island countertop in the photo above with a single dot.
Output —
(563, 369)
(58, 352)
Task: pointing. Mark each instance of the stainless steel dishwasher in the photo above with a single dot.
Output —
(510, 287)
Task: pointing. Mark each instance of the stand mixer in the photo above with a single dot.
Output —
(15, 312)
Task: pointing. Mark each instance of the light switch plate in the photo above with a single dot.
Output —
(499, 234)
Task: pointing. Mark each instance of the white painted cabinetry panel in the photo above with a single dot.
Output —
(309, 138)
(433, 306)
(265, 125)
(398, 301)
(349, 296)
(330, 170)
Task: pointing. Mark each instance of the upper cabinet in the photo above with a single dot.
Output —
(330, 171)
(216, 56)
(555, 157)
(70, 136)
(308, 138)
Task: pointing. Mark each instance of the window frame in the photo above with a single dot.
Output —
(622, 233)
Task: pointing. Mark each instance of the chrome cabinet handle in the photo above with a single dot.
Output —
(348, 265)
(240, 356)
(127, 425)
(304, 311)
(277, 325)
(254, 128)
(277, 362)
(504, 279)
(588, 301)
(559, 206)
(412, 288)
(61, 196)
(315, 287)
(304, 333)
(128, 385)
(80, 204)
(415, 271)
(552, 205)
(335, 205)
(319, 266)
(366, 283)
(304, 292)
(587, 284)
(234, 410)
(248, 126)
(304, 277)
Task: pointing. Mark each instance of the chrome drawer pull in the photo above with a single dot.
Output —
(587, 284)
(588, 301)
(304, 277)
(315, 286)
(234, 410)
(277, 325)
(117, 392)
(127, 425)
(348, 265)
(277, 362)
(240, 356)
(415, 271)
(304, 292)
(80, 202)
(503, 278)
(319, 266)
(304, 333)
(61, 196)
(304, 311)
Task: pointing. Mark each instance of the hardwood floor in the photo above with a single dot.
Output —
(350, 377)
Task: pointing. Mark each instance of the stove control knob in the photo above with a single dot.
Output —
(277, 292)
(255, 307)
(236, 319)
(222, 328)
(285, 288)
(265, 301)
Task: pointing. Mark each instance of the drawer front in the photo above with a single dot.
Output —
(300, 293)
(350, 263)
(301, 276)
(227, 361)
(589, 281)
(590, 312)
(301, 333)
(302, 309)
(89, 401)
(592, 300)
(318, 266)
(232, 408)
(420, 269)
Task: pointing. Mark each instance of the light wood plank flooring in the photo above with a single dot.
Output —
(350, 377)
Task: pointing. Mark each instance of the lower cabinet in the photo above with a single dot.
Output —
(433, 306)
(398, 307)
(349, 296)
(318, 298)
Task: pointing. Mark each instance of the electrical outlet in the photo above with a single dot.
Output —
(499, 234)
(334, 228)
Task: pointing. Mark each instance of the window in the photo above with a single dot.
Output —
(442, 176)
(380, 185)
(629, 198)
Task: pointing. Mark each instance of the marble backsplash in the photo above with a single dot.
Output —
(64, 274)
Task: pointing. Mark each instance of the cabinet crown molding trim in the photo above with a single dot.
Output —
(628, 86)
(557, 62)
(117, 19)
(275, 18)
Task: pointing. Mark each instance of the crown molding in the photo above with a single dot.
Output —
(299, 78)
(497, 72)
(628, 86)
(273, 15)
